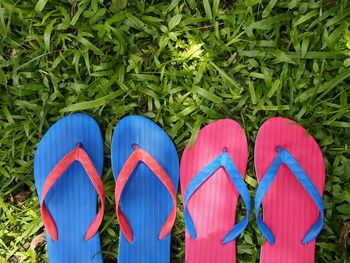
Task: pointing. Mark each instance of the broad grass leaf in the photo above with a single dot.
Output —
(174, 21)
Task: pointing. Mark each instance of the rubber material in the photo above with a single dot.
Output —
(140, 155)
(72, 200)
(213, 205)
(288, 209)
(284, 157)
(145, 201)
(223, 160)
(77, 154)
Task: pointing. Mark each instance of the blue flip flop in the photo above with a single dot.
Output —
(146, 169)
(67, 168)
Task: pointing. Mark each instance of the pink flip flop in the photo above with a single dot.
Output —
(291, 174)
(211, 176)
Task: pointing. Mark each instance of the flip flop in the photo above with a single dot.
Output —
(212, 173)
(67, 168)
(291, 174)
(146, 169)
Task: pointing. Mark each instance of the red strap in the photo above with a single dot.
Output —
(77, 154)
(140, 155)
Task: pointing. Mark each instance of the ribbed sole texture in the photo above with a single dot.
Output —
(213, 205)
(72, 201)
(145, 201)
(288, 210)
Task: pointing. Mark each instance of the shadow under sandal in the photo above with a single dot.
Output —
(146, 169)
(212, 178)
(67, 168)
(291, 174)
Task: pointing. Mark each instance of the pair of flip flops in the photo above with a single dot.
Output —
(146, 169)
(291, 175)
(67, 169)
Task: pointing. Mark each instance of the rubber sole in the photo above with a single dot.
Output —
(145, 201)
(213, 205)
(288, 210)
(72, 201)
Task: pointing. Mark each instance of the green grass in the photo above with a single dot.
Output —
(183, 64)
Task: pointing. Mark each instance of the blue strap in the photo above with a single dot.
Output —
(285, 157)
(223, 160)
